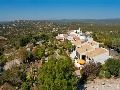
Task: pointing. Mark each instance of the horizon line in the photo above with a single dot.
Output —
(56, 19)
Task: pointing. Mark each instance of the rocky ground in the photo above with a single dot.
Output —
(104, 84)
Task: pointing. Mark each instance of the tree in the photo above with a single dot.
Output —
(40, 52)
(57, 75)
(22, 76)
(23, 53)
(24, 40)
(113, 66)
(43, 36)
(2, 61)
(34, 52)
(30, 57)
(25, 86)
(90, 70)
(43, 60)
(12, 76)
(101, 74)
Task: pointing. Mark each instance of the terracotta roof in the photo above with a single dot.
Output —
(96, 52)
(76, 38)
(59, 38)
(65, 35)
(76, 43)
(83, 48)
(73, 35)
(93, 43)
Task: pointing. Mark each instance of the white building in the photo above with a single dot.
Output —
(98, 55)
(62, 37)
(85, 48)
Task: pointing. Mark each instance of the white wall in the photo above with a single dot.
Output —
(101, 58)
(96, 46)
(73, 54)
(90, 39)
(70, 38)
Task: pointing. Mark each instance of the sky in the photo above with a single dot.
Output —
(58, 9)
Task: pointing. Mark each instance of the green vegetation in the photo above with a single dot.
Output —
(57, 74)
(107, 74)
(113, 66)
(90, 71)
(39, 70)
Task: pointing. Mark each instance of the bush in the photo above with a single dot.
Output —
(113, 66)
(119, 73)
(107, 74)
(90, 70)
(101, 74)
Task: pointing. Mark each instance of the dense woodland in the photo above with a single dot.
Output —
(47, 65)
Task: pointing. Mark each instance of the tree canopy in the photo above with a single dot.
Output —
(90, 70)
(113, 66)
(57, 74)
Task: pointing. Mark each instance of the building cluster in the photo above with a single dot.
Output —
(85, 48)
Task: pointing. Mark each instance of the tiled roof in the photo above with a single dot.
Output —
(73, 35)
(76, 43)
(84, 48)
(96, 52)
(65, 35)
(76, 38)
(93, 43)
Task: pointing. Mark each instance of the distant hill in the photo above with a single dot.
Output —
(96, 21)
(2, 22)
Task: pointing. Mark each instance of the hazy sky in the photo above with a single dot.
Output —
(58, 9)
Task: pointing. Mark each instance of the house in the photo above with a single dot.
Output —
(70, 38)
(94, 44)
(85, 48)
(62, 37)
(98, 55)
(82, 49)
(75, 44)
(59, 38)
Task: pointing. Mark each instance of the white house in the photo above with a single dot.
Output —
(94, 44)
(62, 37)
(98, 55)
(85, 48)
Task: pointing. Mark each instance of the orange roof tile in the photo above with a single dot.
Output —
(93, 43)
(76, 38)
(76, 43)
(72, 35)
(65, 35)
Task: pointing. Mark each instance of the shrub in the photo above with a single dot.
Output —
(107, 74)
(101, 74)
